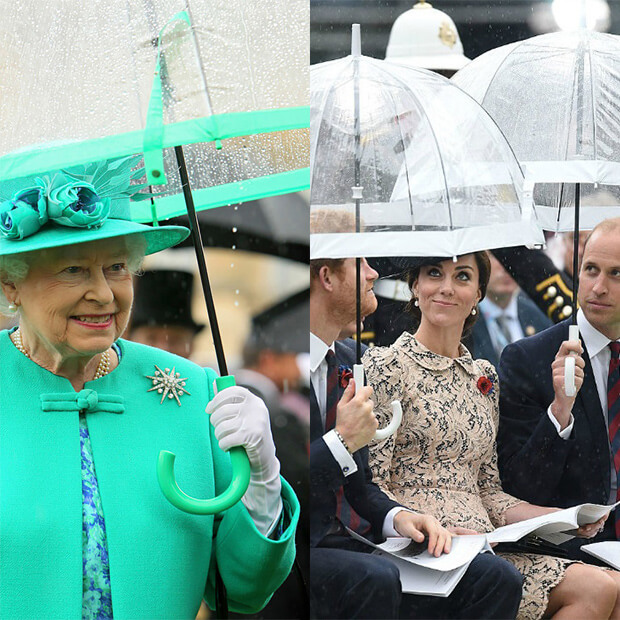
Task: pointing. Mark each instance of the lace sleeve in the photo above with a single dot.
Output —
(494, 499)
(384, 373)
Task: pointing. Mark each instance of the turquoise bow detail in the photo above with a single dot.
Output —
(85, 401)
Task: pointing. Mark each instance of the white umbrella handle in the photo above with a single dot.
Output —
(397, 410)
(569, 365)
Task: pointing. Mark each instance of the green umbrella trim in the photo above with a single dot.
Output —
(220, 195)
(210, 129)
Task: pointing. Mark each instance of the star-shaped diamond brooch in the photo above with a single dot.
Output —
(168, 383)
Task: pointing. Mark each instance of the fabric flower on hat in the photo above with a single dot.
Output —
(485, 385)
(77, 204)
(25, 213)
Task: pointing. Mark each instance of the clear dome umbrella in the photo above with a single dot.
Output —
(555, 97)
(212, 93)
(405, 164)
(417, 166)
(227, 80)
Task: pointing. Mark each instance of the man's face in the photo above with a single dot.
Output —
(172, 338)
(344, 290)
(500, 281)
(599, 282)
(569, 247)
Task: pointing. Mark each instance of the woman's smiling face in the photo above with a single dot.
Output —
(76, 300)
(448, 291)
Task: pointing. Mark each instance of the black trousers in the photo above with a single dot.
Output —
(355, 584)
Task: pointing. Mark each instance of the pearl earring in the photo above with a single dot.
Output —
(473, 311)
(416, 303)
(12, 308)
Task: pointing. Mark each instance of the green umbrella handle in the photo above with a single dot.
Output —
(235, 491)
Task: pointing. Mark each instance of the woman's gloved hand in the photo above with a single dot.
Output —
(240, 418)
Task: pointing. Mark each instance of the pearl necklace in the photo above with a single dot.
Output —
(102, 369)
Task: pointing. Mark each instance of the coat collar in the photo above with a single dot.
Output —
(433, 361)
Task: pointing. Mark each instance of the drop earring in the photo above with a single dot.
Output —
(473, 311)
(12, 308)
(416, 303)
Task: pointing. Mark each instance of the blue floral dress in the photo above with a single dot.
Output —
(97, 596)
(96, 592)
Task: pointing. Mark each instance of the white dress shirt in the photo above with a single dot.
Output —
(599, 353)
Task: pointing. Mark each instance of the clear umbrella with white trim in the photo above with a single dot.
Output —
(555, 97)
(404, 163)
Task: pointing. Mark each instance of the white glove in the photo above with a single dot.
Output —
(240, 418)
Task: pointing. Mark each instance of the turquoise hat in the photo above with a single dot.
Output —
(77, 205)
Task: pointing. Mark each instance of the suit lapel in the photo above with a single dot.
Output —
(588, 399)
(316, 425)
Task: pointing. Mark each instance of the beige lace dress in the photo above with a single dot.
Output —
(443, 460)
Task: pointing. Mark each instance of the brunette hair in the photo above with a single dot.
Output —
(484, 273)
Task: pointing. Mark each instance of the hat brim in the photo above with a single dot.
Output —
(52, 236)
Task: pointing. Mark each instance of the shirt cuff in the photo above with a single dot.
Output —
(340, 453)
(565, 433)
(388, 522)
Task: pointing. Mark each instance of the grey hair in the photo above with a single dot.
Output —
(14, 268)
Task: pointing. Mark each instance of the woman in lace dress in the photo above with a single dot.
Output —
(443, 460)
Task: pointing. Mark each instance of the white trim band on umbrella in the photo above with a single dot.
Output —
(589, 217)
(592, 171)
(425, 242)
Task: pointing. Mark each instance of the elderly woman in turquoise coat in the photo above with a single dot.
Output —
(85, 531)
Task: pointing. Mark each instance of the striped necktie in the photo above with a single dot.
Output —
(331, 402)
(613, 416)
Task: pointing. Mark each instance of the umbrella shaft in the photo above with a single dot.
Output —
(576, 252)
(202, 265)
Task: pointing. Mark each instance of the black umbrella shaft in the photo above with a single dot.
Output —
(356, 180)
(576, 252)
(358, 310)
(200, 257)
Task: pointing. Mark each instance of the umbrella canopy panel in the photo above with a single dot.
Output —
(78, 83)
(555, 97)
(436, 175)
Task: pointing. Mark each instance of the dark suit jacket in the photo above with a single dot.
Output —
(326, 477)
(535, 463)
(530, 317)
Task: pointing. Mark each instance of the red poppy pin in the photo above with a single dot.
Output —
(485, 385)
(345, 375)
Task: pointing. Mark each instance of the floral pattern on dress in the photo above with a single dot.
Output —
(443, 458)
(97, 595)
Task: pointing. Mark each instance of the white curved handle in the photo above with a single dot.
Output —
(569, 365)
(397, 410)
(390, 429)
(569, 377)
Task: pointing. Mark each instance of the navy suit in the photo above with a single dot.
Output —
(535, 463)
(530, 317)
(326, 476)
(347, 582)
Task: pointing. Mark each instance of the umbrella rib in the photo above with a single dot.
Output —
(199, 60)
(434, 136)
(322, 107)
(593, 92)
(499, 66)
(402, 137)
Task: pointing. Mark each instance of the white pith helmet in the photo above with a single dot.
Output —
(425, 37)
